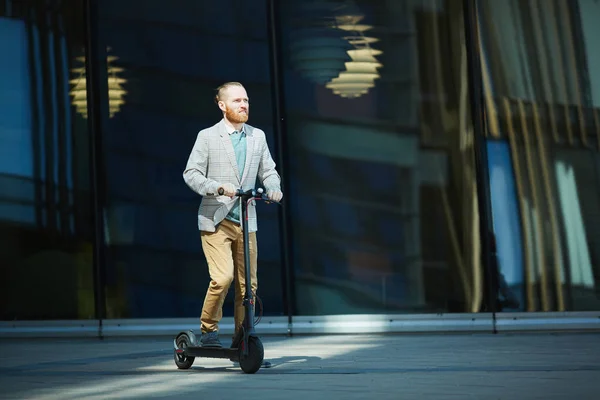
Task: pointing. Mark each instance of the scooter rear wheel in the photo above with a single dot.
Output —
(182, 341)
(253, 361)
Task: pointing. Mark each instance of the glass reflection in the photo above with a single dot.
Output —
(45, 225)
(542, 105)
(169, 60)
(380, 146)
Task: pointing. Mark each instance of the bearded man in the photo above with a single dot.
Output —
(227, 156)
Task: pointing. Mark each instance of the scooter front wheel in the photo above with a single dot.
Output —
(253, 361)
(182, 341)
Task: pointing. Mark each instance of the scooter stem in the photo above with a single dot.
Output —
(248, 302)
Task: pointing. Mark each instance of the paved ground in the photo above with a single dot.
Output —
(482, 366)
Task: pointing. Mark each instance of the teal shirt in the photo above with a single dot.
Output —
(238, 140)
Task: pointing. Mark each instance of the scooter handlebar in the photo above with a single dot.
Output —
(252, 193)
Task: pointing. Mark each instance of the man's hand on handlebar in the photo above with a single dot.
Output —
(275, 195)
(227, 189)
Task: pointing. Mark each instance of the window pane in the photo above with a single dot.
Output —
(46, 232)
(169, 59)
(542, 107)
(380, 146)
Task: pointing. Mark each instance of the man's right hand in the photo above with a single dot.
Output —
(228, 190)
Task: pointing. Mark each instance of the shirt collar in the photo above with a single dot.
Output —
(230, 129)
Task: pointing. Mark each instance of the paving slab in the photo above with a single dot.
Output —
(427, 366)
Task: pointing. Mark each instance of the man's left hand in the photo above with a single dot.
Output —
(275, 195)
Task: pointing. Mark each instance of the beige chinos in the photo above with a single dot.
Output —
(224, 250)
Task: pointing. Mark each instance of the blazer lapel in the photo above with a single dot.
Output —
(249, 150)
(229, 150)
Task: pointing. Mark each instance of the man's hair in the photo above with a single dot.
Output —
(221, 89)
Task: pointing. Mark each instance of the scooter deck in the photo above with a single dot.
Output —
(211, 352)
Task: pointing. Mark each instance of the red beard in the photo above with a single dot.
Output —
(236, 117)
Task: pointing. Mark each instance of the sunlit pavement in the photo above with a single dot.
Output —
(482, 366)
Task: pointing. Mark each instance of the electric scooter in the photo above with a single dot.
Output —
(246, 348)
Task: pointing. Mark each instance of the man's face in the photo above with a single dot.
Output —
(235, 104)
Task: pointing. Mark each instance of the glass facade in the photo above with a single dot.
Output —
(46, 250)
(167, 72)
(542, 98)
(381, 185)
(370, 113)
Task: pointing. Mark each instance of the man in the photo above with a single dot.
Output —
(229, 155)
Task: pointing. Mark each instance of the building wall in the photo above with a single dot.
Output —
(539, 77)
(367, 111)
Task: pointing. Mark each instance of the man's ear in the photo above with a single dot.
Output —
(221, 106)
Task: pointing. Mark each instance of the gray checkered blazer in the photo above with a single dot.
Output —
(212, 163)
